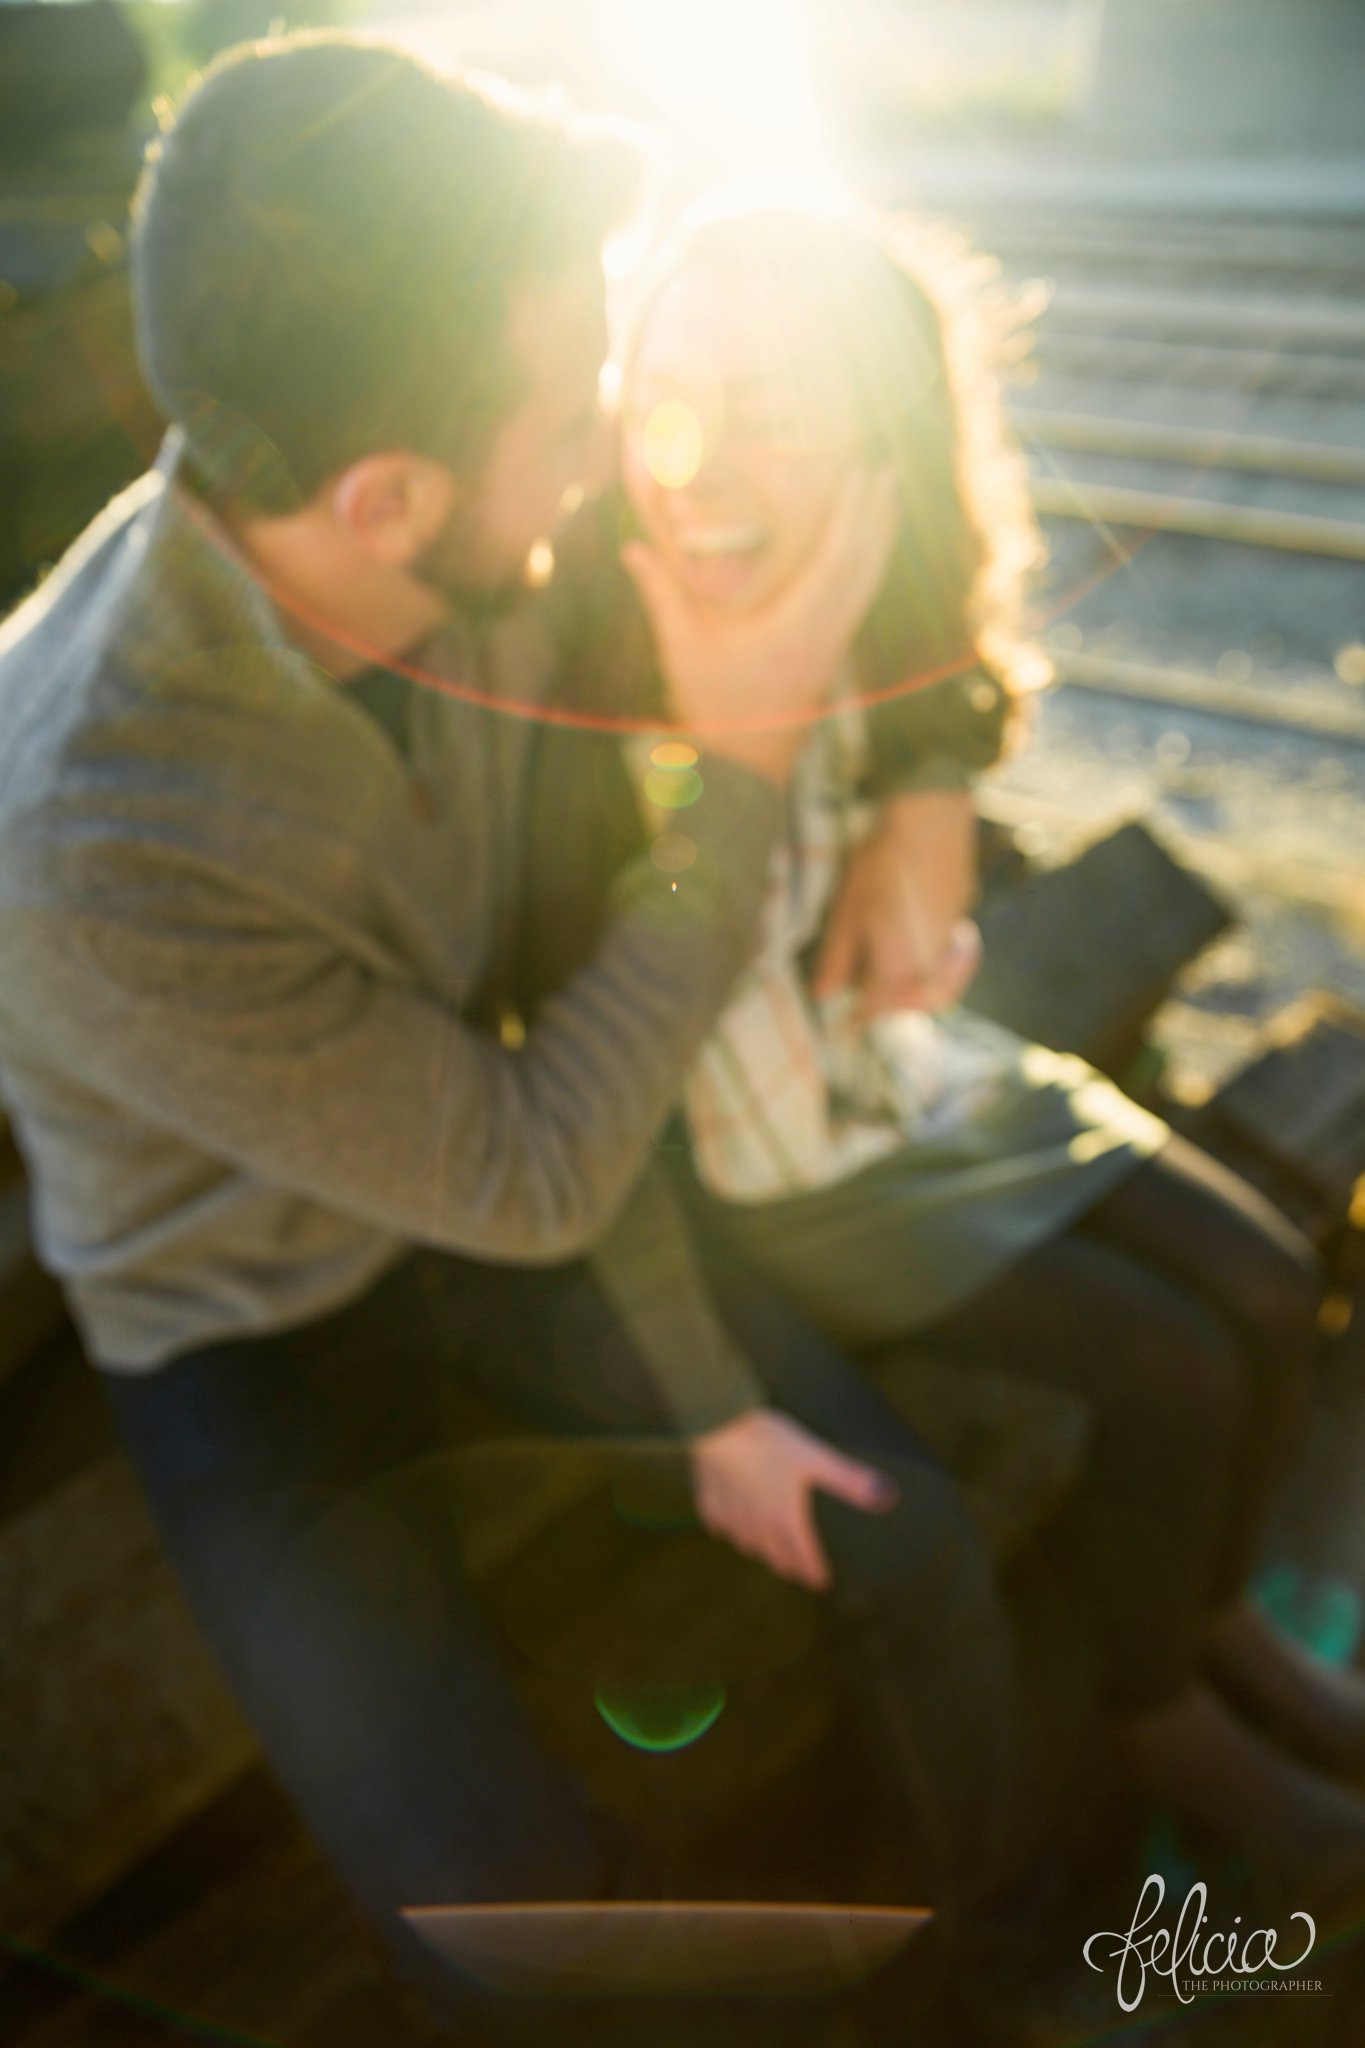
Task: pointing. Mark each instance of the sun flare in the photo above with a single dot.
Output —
(735, 77)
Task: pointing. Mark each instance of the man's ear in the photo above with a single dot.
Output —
(394, 506)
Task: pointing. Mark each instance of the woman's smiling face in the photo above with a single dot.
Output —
(739, 427)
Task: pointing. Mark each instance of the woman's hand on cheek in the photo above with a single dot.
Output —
(899, 932)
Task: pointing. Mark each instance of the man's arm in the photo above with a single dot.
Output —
(203, 1006)
(754, 1469)
(647, 1265)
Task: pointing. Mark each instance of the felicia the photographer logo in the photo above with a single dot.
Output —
(1195, 1960)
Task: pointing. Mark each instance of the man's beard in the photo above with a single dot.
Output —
(450, 567)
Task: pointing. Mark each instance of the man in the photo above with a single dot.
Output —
(255, 897)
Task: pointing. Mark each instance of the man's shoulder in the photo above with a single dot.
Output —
(56, 650)
(61, 623)
(144, 695)
(120, 602)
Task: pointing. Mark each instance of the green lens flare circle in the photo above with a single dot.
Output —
(660, 1718)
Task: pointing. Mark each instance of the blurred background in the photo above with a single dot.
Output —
(1175, 865)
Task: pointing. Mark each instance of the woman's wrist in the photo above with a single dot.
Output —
(918, 813)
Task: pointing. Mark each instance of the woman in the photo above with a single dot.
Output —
(930, 1175)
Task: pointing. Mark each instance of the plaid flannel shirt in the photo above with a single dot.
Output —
(789, 1093)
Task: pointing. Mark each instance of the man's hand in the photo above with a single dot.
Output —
(753, 1480)
(746, 684)
(899, 932)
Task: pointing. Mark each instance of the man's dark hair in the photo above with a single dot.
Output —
(324, 245)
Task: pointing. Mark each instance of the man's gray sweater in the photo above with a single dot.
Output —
(241, 940)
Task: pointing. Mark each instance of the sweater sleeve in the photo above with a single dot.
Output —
(940, 737)
(186, 997)
(647, 1265)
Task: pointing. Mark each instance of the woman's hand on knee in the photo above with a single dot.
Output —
(753, 1479)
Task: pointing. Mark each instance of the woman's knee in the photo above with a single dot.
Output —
(1198, 1374)
(1220, 1236)
(1280, 1293)
(1179, 1398)
(923, 1566)
(1267, 1279)
(1265, 1290)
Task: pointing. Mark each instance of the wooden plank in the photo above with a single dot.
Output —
(1230, 869)
(1293, 1119)
(117, 1721)
(234, 1922)
(1080, 956)
(31, 1308)
(54, 1424)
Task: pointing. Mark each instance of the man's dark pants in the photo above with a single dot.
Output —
(304, 1483)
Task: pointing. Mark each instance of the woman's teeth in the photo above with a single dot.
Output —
(722, 540)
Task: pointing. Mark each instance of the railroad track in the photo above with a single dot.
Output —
(1324, 259)
(1156, 316)
(1200, 448)
(1155, 359)
(1315, 709)
(1303, 533)
(1279, 319)
(1195, 399)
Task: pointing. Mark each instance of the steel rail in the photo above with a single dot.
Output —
(1279, 319)
(1152, 361)
(1316, 712)
(1257, 526)
(1201, 447)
